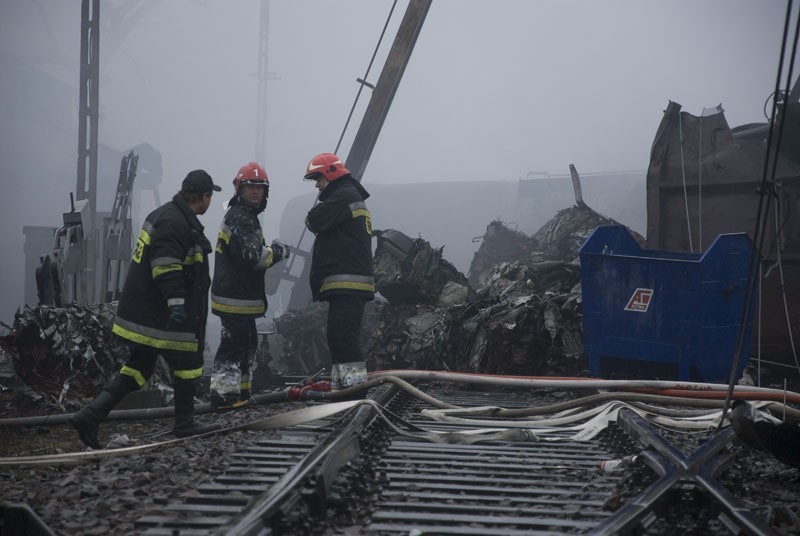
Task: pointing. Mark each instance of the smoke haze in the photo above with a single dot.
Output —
(493, 91)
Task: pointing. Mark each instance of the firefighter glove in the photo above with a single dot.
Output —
(177, 316)
(279, 251)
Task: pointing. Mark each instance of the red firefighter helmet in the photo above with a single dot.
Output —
(328, 165)
(251, 173)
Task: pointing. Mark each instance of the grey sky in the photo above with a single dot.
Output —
(493, 90)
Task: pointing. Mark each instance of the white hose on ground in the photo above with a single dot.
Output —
(583, 383)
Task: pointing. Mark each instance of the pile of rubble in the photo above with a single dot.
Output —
(518, 312)
(64, 353)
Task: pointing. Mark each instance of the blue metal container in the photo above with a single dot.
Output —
(667, 315)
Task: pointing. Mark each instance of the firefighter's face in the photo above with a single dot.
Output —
(321, 183)
(205, 202)
(252, 194)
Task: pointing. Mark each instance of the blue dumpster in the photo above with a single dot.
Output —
(667, 315)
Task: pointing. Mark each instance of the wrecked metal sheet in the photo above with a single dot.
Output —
(565, 233)
(412, 271)
(65, 352)
(558, 240)
(303, 339)
(533, 334)
(303, 333)
(525, 317)
(410, 336)
(500, 244)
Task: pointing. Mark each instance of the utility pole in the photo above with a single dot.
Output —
(88, 109)
(263, 76)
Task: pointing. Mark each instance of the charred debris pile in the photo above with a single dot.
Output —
(60, 354)
(518, 312)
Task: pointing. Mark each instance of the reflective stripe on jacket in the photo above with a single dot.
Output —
(240, 260)
(341, 260)
(169, 265)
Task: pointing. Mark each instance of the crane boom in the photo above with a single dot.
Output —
(385, 89)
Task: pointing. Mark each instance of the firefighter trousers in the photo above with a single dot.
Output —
(345, 313)
(238, 345)
(142, 361)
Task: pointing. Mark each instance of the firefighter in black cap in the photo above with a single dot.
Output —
(163, 309)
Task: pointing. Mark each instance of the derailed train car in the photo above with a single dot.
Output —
(705, 179)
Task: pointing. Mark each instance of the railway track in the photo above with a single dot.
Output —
(385, 467)
(361, 475)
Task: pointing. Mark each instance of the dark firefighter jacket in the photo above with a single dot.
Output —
(169, 266)
(341, 260)
(240, 261)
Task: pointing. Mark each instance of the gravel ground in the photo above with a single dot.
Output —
(769, 488)
(107, 496)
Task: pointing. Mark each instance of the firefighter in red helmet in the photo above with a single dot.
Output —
(238, 295)
(341, 263)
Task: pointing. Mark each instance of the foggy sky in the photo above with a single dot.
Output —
(493, 90)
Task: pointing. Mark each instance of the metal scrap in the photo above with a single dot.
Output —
(562, 236)
(64, 352)
(519, 312)
(412, 271)
(499, 244)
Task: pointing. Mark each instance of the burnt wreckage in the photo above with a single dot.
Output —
(519, 312)
(706, 178)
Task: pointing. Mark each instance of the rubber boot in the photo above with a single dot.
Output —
(185, 425)
(346, 375)
(225, 390)
(245, 400)
(87, 421)
(220, 404)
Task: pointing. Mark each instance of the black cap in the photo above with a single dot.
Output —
(200, 182)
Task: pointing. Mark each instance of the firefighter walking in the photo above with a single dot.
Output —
(163, 309)
(238, 295)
